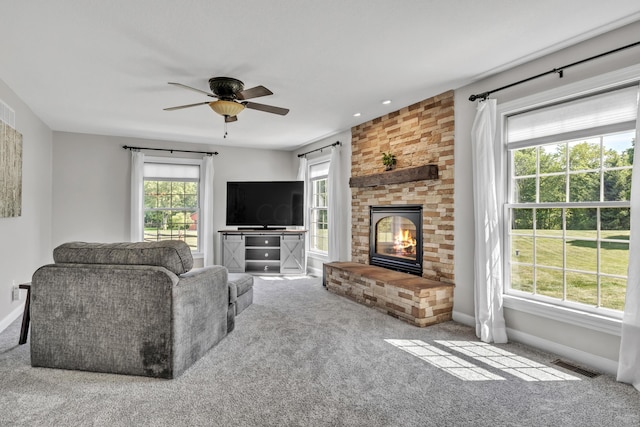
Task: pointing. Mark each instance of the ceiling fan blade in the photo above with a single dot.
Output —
(186, 106)
(266, 108)
(254, 92)
(194, 89)
(230, 119)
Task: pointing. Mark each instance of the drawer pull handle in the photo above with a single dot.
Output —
(266, 242)
(266, 255)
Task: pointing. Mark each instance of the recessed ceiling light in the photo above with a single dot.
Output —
(387, 101)
(357, 115)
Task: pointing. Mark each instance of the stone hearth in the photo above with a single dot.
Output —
(416, 300)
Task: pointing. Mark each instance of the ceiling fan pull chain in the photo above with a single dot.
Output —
(225, 129)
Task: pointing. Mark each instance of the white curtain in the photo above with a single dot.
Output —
(629, 359)
(334, 194)
(302, 169)
(137, 196)
(206, 209)
(488, 285)
(302, 176)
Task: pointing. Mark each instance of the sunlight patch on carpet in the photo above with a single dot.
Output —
(449, 363)
(510, 363)
(483, 354)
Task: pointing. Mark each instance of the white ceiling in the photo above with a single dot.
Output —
(102, 67)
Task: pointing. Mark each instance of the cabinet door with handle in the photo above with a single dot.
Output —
(233, 252)
(292, 253)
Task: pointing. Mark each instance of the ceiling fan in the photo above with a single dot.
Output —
(231, 98)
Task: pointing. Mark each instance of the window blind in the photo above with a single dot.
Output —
(602, 113)
(319, 169)
(170, 171)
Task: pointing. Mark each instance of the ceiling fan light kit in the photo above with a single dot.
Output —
(226, 108)
(228, 91)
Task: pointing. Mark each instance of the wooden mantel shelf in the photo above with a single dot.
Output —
(425, 172)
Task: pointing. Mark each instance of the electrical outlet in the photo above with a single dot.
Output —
(15, 294)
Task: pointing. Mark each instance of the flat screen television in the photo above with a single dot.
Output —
(265, 204)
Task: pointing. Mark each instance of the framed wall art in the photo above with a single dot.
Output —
(10, 171)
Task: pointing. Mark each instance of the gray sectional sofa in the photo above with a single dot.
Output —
(128, 308)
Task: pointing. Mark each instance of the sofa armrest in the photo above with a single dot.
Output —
(198, 272)
(201, 303)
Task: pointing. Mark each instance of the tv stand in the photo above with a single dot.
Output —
(264, 228)
(263, 251)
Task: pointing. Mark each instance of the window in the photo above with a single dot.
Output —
(171, 201)
(569, 168)
(318, 213)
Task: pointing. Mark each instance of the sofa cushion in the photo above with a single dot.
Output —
(174, 255)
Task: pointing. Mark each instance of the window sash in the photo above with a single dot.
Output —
(319, 238)
(319, 199)
(568, 240)
(568, 172)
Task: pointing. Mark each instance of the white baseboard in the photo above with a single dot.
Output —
(463, 318)
(598, 363)
(317, 272)
(4, 323)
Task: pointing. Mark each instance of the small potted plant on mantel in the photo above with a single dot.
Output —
(389, 161)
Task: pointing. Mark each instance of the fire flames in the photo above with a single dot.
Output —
(404, 243)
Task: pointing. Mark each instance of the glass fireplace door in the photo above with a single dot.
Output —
(395, 236)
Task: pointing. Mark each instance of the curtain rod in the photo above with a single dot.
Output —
(320, 149)
(559, 70)
(208, 153)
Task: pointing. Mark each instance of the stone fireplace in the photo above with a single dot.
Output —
(388, 232)
(421, 136)
(395, 237)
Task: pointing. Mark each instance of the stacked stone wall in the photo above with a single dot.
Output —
(420, 134)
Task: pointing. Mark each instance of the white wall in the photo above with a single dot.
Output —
(26, 240)
(582, 344)
(91, 182)
(314, 263)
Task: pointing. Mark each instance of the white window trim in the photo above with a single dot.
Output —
(184, 161)
(322, 256)
(607, 321)
(578, 317)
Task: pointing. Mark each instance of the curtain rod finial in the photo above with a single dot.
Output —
(480, 96)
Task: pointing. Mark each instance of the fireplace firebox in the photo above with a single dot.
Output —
(395, 240)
